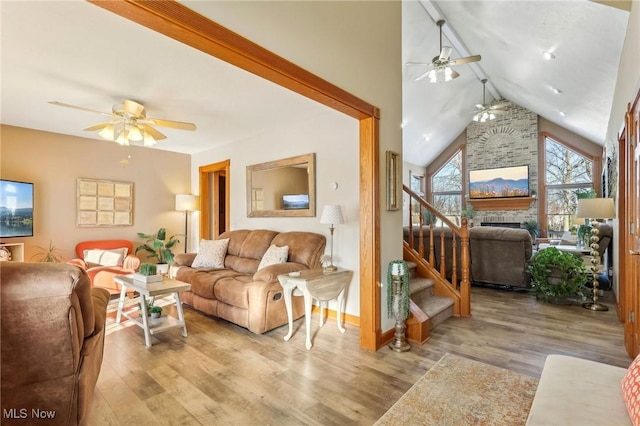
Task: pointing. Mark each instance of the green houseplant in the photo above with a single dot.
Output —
(157, 246)
(532, 227)
(155, 311)
(48, 254)
(398, 294)
(555, 275)
(148, 269)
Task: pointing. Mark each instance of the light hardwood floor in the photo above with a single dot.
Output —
(222, 374)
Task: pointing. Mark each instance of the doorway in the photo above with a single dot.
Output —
(214, 199)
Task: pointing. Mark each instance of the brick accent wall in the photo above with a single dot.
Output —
(509, 140)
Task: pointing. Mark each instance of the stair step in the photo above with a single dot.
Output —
(438, 308)
(418, 284)
(412, 269)
(421, 289)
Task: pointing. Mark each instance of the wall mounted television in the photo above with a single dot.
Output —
(16, 209)
(295, 202)
(503, 182)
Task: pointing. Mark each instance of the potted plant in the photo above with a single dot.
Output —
(158, 247)
(556, 275)
(469, 213)
(155, 311)
(47, 254)
(532, 227)
(398, 293)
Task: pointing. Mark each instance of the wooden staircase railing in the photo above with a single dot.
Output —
(454, 286)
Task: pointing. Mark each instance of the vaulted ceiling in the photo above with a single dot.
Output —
(80, 54)
(585, 37)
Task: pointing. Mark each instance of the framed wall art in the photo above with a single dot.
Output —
(394, 180)
(104, 203)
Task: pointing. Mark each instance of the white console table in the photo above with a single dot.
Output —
(319, 285)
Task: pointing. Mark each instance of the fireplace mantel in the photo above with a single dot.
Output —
(515, 203)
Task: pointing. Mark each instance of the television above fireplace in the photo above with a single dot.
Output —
(503, 182)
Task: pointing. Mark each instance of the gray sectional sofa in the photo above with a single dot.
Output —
(498, 255)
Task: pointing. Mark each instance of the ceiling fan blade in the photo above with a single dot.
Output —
(98, 126)
(499, 105)
(81, 108)
(153, 132)
(466, 60)
(445, 53)
(423, 75)
(454, 74)
(418, 63)
(172, 124)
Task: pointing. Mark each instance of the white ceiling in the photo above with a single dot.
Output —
(585, 37)
(80, 54)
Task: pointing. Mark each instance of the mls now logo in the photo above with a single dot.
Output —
(23, 413)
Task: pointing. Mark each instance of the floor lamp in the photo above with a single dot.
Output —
(331, 215)
(594, 209)
(186, 203)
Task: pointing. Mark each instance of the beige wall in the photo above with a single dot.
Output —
(355, 45)
(53, 162)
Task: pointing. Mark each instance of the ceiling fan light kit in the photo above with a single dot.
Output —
(487, 112)
(441, 71)
(130, 123)
(442, 75)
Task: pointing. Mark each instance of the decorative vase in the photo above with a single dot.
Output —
(398, 302)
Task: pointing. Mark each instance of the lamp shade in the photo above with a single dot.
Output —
(186, 202)
(331, 215)
(596, 208)
(577, 220)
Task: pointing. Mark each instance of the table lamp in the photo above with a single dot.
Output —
(594, 209)
(331, 215)
(186, 203)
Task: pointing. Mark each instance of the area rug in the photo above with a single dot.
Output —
(461, 391)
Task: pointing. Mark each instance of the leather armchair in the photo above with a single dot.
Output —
(102, 276)
(53, 330)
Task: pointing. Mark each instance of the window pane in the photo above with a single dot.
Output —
(449, 177)
(566, 166)
(450, 205)
(561, 206)
(416, 184)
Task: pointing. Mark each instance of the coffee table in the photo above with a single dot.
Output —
(150, 290)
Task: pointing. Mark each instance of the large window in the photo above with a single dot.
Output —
(446, 187)
(568, 175)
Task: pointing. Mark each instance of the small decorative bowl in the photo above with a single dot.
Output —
(554, 242)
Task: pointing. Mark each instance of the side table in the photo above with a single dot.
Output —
(319, 285)
(146, 290)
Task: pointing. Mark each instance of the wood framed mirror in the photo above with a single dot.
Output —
(282, 188)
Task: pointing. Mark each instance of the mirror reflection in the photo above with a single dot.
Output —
(283, 187)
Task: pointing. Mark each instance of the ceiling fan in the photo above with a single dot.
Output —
(487, 111)
(129, 122)
(440, 67)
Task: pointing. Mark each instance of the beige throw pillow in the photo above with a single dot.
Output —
(274, 255)
(111, 257)
(211, 254)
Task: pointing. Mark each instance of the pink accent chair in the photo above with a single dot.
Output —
(102, 276)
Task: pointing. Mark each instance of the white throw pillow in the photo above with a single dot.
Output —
(111, 258)
(211, 254)
(274, 255)
(93, 256)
